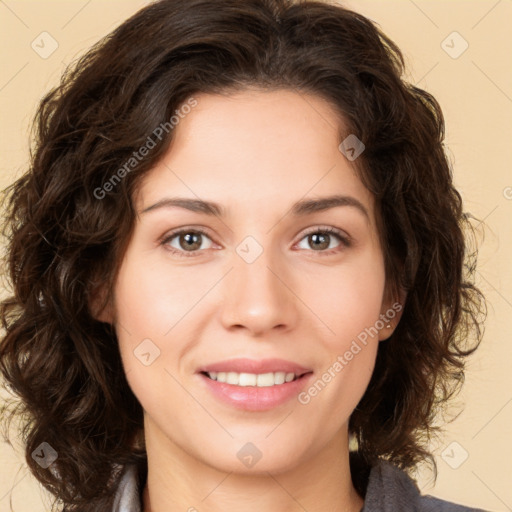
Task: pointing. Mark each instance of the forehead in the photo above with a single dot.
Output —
(255, 149)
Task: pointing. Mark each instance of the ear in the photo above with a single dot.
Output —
(99, 307)
(391, 312)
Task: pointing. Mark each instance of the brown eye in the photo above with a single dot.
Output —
(320, 240)
(189, 241)
(186, 241)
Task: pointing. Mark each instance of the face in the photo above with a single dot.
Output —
(260, 285)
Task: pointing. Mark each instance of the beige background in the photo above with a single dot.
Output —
(475, 91)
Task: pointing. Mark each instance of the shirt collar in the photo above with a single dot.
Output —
(128, 494)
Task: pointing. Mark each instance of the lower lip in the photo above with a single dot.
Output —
(253, 398)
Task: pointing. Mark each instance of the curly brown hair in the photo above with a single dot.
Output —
(66, 232)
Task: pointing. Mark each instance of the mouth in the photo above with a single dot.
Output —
(255, 386)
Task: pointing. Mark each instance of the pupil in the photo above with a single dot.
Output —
(191, 239)
(318, 237)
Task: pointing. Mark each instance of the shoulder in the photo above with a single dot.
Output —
(390, 489)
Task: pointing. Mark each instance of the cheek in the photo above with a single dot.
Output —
(159, 311)
(349, 305)
(152, 298)
(149, 304)
(347, 299)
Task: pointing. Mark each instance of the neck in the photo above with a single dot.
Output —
(178, 481)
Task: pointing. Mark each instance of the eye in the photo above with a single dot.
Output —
(188, 241)
(321, 239)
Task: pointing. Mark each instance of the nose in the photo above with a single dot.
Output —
(259, 296)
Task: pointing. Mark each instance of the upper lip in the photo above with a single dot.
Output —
(242, 365)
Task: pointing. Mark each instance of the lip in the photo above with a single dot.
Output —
(253, 398)
(243, 365)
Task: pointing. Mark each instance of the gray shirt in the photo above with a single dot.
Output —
(389, 489)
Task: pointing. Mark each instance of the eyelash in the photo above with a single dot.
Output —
(345, 240)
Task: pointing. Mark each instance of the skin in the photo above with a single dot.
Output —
(255, 153)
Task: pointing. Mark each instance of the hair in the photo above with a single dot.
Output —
(66, 230)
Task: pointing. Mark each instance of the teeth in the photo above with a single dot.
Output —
(252, 379)
(247, 379)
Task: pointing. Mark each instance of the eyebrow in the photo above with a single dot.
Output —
(299, 209)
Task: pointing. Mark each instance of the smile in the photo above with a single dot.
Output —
(254, 392)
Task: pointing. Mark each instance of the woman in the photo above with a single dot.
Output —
(238, 263)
